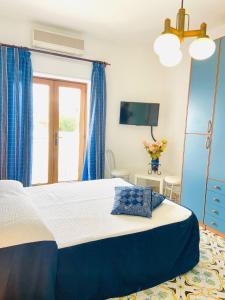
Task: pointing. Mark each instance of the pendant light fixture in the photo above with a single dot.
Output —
(167, 45)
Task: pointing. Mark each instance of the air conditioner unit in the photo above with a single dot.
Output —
(44, 39)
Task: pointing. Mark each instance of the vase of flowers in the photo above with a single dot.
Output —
(154, 150)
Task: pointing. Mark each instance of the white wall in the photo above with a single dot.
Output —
(134, 74)
(177, 91)
(217, 32)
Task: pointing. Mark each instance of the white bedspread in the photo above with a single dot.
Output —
(19, 221)
(79, 212)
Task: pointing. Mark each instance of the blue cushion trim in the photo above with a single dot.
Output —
(157, 199)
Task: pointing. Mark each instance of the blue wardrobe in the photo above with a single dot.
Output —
(203, 179)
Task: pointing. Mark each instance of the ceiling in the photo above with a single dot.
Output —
(116, 20)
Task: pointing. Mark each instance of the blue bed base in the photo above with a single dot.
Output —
(123, 265)
(28, 271)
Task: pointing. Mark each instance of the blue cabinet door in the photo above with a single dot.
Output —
(217, 164)
(201, 95)
(194, 174)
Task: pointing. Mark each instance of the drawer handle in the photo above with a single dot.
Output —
(207, 142)
(213, 223)
(214, 211)
(216, 200)
(217, 187)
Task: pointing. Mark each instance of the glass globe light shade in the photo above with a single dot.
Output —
(166, 41)
(202, 48)
(171, 58)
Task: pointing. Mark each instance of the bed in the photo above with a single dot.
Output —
(80, 251)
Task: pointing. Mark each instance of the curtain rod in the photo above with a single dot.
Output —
(56, 54)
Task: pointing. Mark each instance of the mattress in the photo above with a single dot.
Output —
(78, 213)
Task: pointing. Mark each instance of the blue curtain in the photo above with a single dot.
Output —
(94, 165)
(15, 114)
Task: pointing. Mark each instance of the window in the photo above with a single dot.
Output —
(59, 113)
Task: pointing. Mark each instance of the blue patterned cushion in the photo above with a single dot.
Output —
(134, 200)
(157, 199)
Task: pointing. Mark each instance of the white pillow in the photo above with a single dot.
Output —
(11, 187)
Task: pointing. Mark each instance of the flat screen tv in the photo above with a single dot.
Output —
(139, 113)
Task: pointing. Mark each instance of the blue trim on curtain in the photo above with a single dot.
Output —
(16, 115)
(94, 165)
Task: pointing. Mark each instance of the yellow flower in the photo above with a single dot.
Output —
(156, 148)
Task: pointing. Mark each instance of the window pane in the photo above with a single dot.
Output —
(69, 121)
(40, 133)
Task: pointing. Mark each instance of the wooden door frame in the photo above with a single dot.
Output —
(54, 85)
(83, 118)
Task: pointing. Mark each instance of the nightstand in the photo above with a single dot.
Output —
(152, 178)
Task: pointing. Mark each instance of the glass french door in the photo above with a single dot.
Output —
(59, 114)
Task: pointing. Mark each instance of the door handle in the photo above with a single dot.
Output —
(209, 126)
(56, 138)
(207, 142)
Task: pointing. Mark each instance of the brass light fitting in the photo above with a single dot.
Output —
(180, 31)
(167, 45)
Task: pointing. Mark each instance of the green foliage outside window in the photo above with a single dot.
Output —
(67, 124)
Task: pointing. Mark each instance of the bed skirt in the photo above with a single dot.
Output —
(28, 271)
(126, 264)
